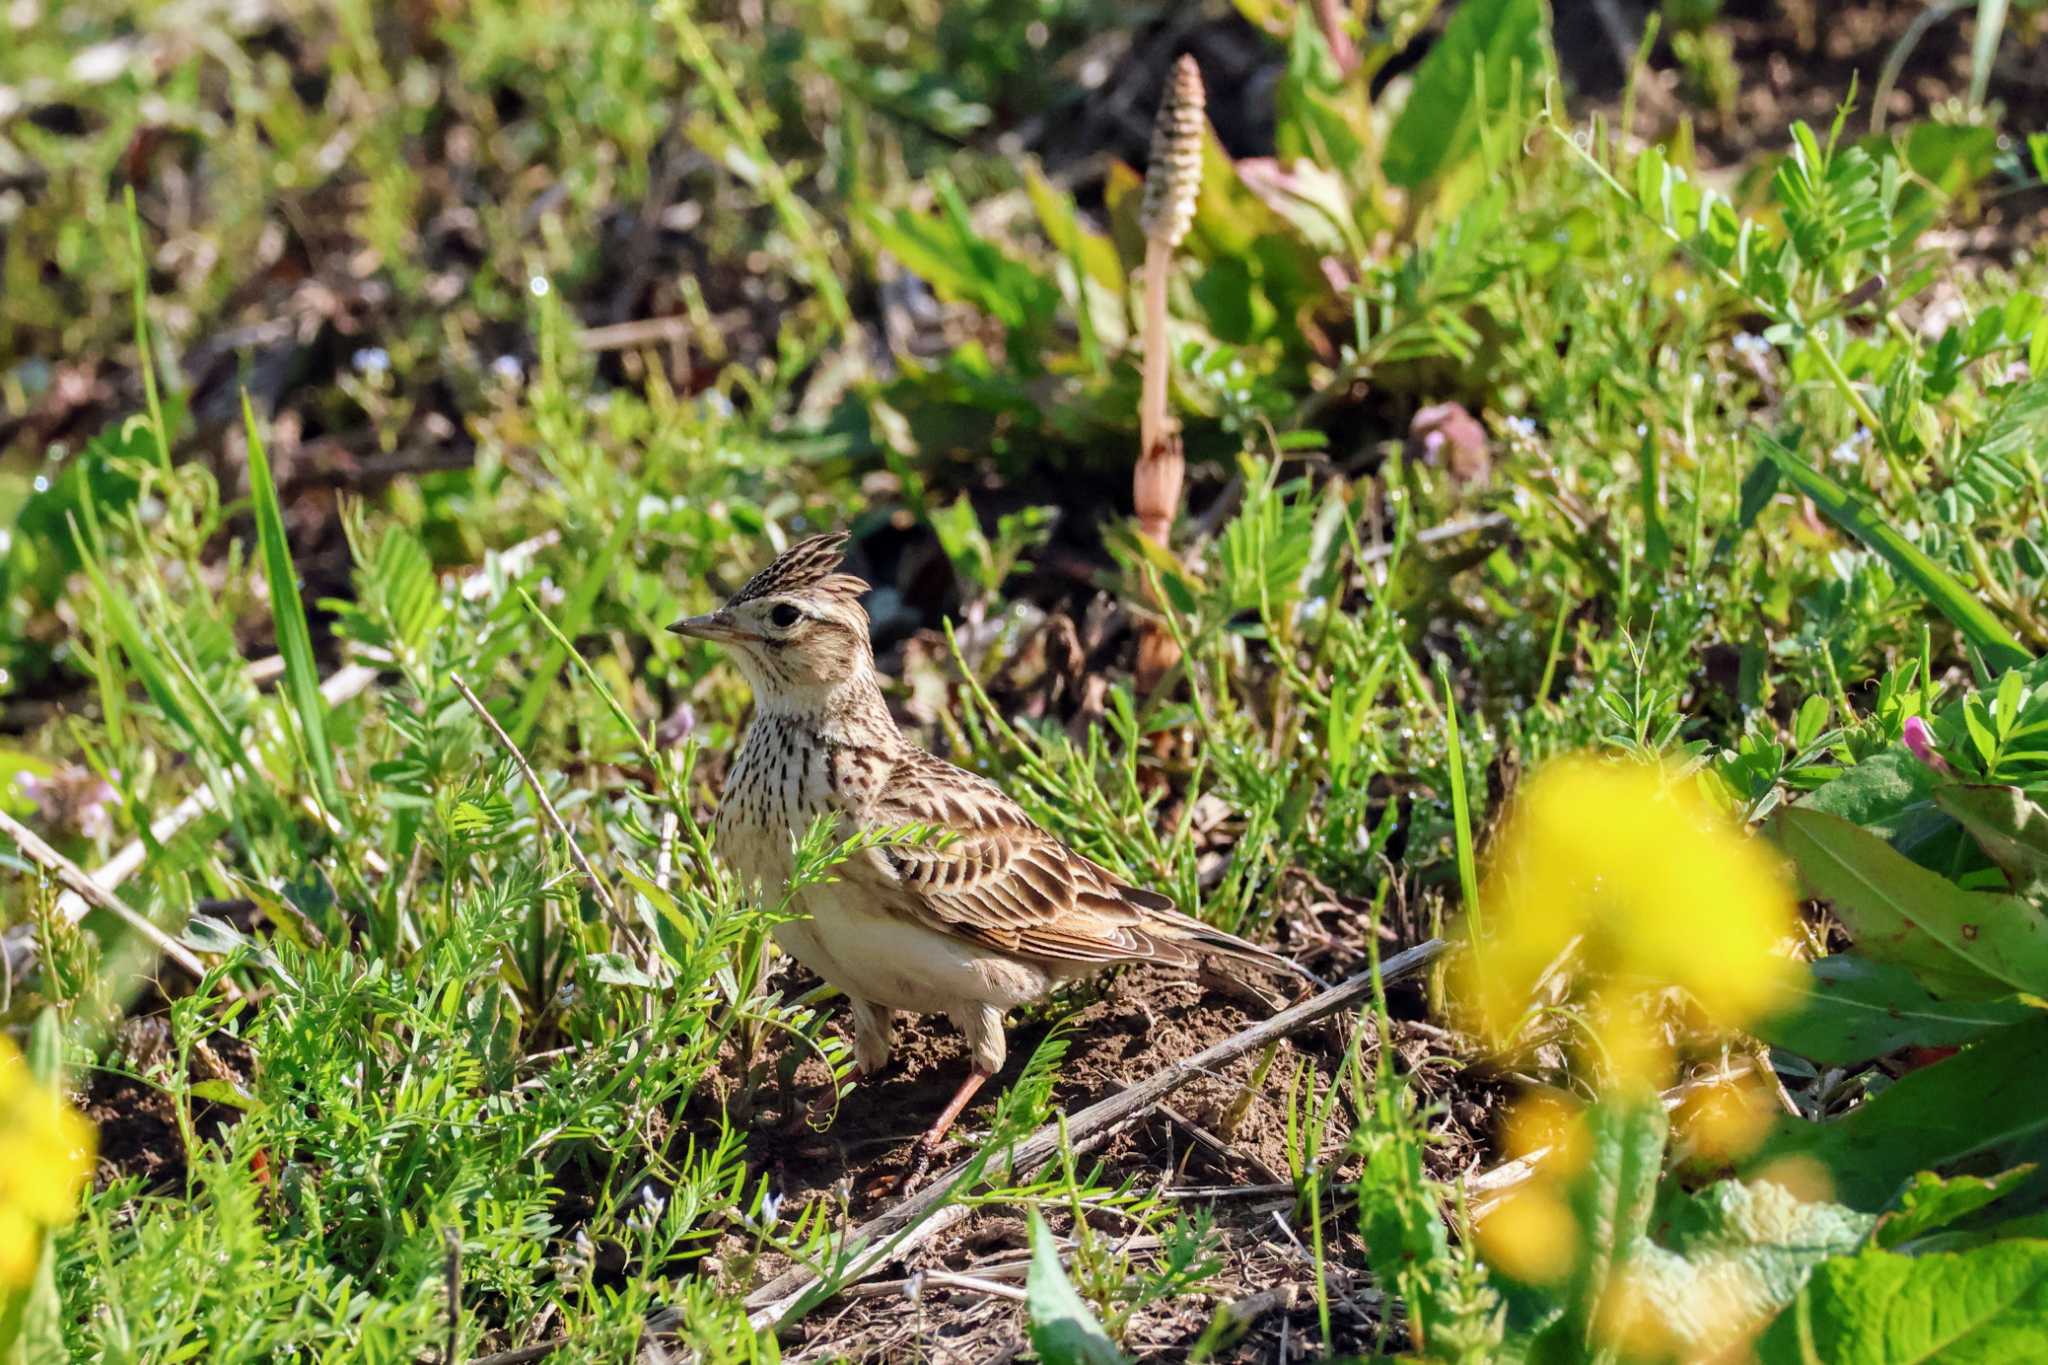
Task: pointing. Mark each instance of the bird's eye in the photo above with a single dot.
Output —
(784, 616)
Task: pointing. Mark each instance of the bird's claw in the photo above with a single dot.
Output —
(912, 1178)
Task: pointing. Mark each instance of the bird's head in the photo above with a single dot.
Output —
(796, 629)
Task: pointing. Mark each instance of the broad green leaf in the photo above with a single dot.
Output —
(1855, 1008)
(948, 253)
(40, 552)
(1063, 1330)
(2010, 828)
(1614, 1198)
(288, 616)
(1491, 52)
(1890, 794)
(1982, 1106)
(1930, 1201)
(1956, 942)
(1731, 1256)
(1317, 110)
(1958, 603)
(1878, 1307)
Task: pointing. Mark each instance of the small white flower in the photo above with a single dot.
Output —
(1521, 428)
(1751, 346)
(507, 369)
(371, 360)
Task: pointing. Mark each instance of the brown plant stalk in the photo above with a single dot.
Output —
(1173, 182)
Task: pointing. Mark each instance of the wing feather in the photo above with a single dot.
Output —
(1000, 881)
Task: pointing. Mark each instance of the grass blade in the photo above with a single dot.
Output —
(575, 616)
(126, 626)
(1984, 48)
(1461, 809)
(2000, 649)
(140, 300)
(288, 613)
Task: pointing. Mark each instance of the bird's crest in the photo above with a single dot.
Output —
(808, 566)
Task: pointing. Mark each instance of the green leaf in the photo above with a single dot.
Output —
(288, 615)
(1490, 54)
(1958, 603)
(40, 552)
(2010, 828)
(1988, 1305)
(959, 263)
(575, 616)
(45, 1051)
(1317, 112)
(1981, 1106)
(1063, 1330)
(126, 625)
(225, 1092)
(1955, 942)
(1891, 794)
(1614, 1198)
(1731, 1256)
(1855, 1008)
(1063, 228)
(1930, 1201)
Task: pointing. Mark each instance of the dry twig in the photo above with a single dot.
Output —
(92, 893)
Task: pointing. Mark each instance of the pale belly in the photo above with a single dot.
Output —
(890, 961)
(869, 953)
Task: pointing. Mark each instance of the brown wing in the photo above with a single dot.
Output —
(999, 880)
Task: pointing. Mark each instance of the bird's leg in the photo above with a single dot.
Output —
(874, 1038)
(921, 1155)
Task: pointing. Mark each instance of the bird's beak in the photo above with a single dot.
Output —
(716, 626)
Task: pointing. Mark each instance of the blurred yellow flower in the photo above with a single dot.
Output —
(1725, 1121)
(1531, 1233)
(1542, 1126)
(1629, 867)
(46, 1153)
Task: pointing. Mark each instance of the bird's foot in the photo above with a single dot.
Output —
(907, 1182)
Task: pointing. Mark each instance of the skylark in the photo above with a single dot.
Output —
(991, 915)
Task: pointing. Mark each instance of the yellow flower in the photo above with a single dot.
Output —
(1725, 1121)
(1629, 867)
(1531, 1234)
(46, 1154)
(1543, 1127)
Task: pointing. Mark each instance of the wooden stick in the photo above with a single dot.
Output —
(91, 892)
(899, 1230)
(936, 1279)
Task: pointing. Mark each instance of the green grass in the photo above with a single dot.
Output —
(1756, 517)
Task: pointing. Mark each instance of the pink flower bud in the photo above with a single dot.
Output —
(1920, 741)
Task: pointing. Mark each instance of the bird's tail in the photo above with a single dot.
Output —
(1215, 943)
(1190, 937)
